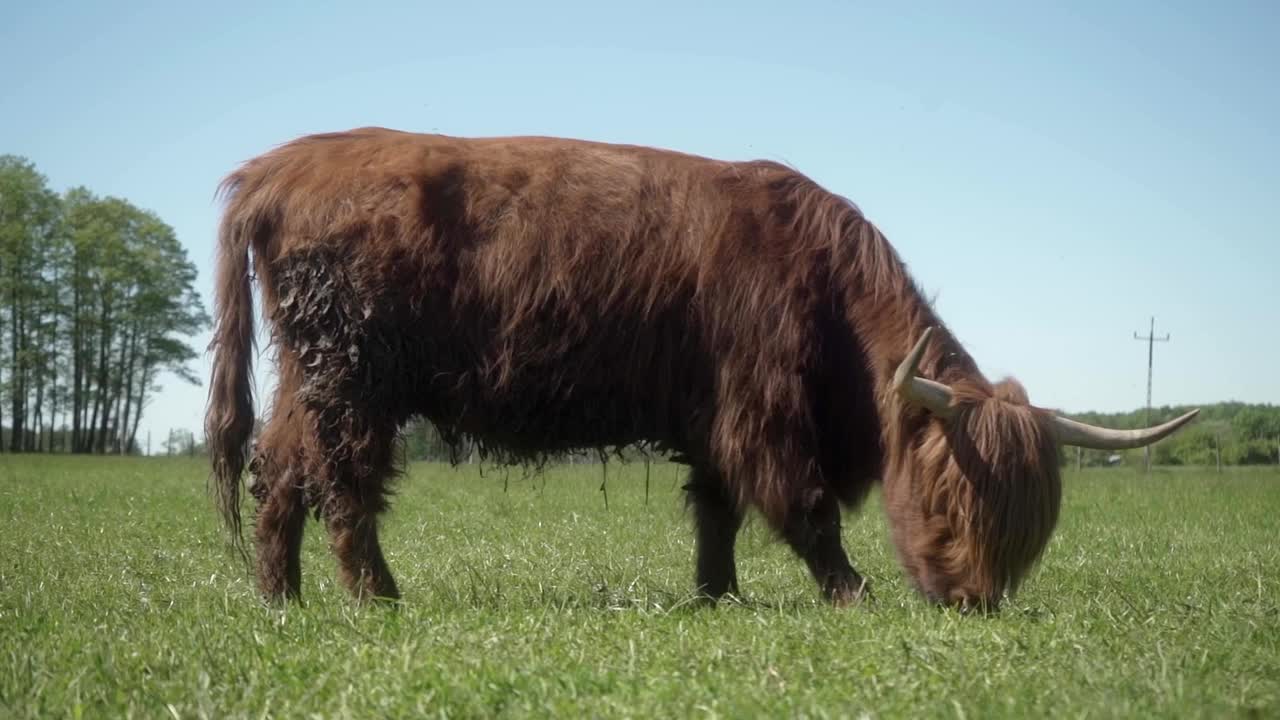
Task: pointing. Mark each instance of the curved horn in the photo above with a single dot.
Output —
(936, 398)
(928, 394)
(1071, 432)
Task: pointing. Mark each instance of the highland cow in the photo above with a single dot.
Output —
(537, 295)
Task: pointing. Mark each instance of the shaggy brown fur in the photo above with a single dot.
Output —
(538, 295)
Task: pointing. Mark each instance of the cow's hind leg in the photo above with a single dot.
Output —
(277, 485)
(353, 531)
(278, 534)
(354, 467)
(813, 532)
(717, 520)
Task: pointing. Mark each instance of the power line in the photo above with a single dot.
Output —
(1151, 347)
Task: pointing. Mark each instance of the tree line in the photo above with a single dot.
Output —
(97, 299)
(1230, 433)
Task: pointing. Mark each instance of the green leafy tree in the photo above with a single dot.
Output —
(1243, 435)
(1257, 423)
(97, 300)
(29, 226)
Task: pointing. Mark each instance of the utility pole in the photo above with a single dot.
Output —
(1151, 347)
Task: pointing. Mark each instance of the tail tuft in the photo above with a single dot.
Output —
(229, 416)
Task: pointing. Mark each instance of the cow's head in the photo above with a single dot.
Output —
(974, 491)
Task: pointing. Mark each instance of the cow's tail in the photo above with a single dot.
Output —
(229, 416)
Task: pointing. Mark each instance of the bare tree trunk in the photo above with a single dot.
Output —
(141, 403)
(117, 402)
(24, 434)
(37, 413)
(127, 395)
(97, 425)
(77, 361)
(53, 412)
(52, 344)
(15, 372)
(37, 418)
(53, 386)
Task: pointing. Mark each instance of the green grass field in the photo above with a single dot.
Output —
(1159, 596)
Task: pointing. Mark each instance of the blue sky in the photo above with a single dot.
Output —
(1057, 174)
